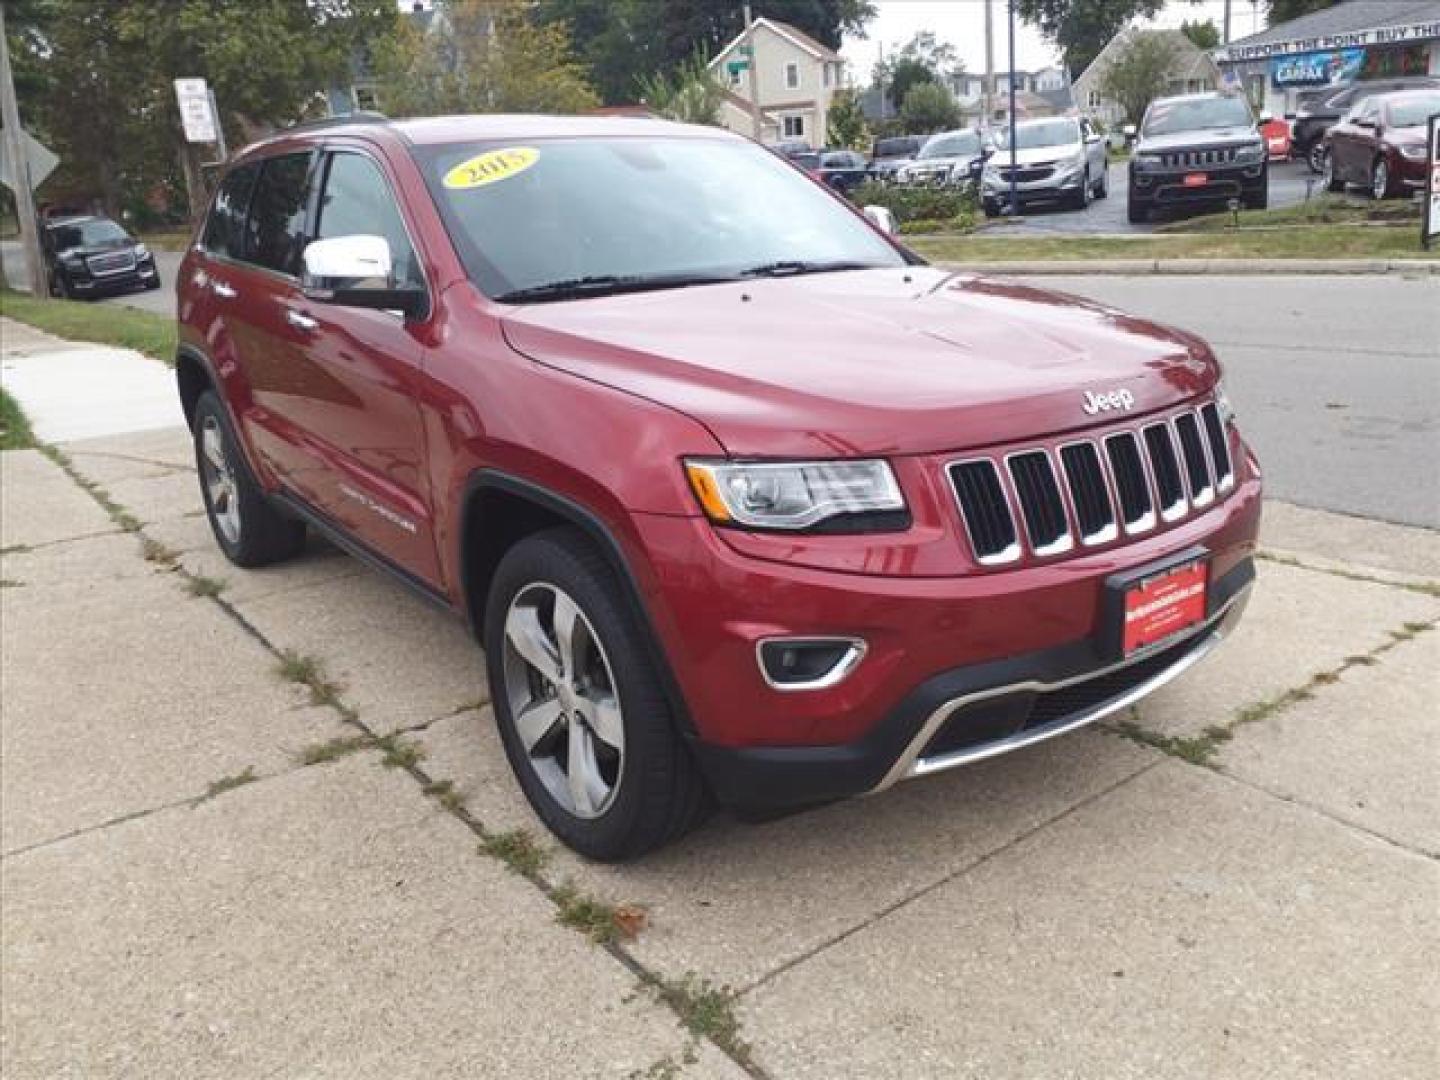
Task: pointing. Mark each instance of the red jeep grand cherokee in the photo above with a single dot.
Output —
(744, 501)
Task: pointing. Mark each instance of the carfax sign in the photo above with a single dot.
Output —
(1329, 68)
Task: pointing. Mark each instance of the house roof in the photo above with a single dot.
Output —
(1346, 17)
(1189, 57)
(798, 38)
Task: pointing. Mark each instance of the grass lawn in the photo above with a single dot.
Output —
(105, 324)
(14, 428)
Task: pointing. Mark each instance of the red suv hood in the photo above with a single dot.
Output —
(867, 362)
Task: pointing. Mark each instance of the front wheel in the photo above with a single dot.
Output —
(583, 716)
(1330, 173)
(1315, 158)
(1102, 189)
(1380, 182)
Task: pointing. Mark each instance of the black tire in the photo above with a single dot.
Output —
(991, 208)
(60, 287)
(263, 534)
(1137, 211)
(1330, 175)
(1102, 189)
(1258, 199)
(1081, 199)
(658, 794)
(1382, 180)
(153, 283)
(1315, 157)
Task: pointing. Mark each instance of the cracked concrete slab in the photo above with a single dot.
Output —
(330, 922)
(1365, 749)
(124, 694)
(401, 661)
(74, 566)
(737, 900)
(39, 504)
(1299, 622)
(1183, 925)
(1354, 541)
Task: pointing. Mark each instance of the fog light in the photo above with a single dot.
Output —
(808, 663)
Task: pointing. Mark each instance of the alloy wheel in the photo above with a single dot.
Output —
(219, 480)
(1317, 158)
(1327, 171)
(1380, 181)
(563, 700)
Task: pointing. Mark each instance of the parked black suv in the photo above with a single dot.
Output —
(1322, 110)
(1197, 150)
(92, 256)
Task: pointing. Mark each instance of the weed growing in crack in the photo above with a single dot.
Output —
(156, 552)
(443, 792)
(399, 754)
(310, 673)
(707, 1011)
(1198, 749)
(333, 749)
(228, 783)
(6, 583)
(16, 549)
(199, 585)
(517, 849)
(593, 918)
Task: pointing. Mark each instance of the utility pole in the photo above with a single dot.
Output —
(987, 92)
(1014, 169)
(748, 50)
(20, 167)
(1226, 34)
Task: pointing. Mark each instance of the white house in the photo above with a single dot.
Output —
(793, 77)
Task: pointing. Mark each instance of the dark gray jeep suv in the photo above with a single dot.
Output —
(1197, 150)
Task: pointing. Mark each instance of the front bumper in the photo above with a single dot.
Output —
(84, 283)
(939, 648)
(1053, 188)
(1168, 188)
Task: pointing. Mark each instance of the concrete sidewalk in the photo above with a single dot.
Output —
(212, 870)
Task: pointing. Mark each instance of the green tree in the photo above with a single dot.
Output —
(1205, 35)
(1284, 10)
(1137, 76)
(691, 94)
(904, 75)
(845, 123)
(98, 78)
(929, 107)
(620, 40)
(924, 58)
(482, 56)
(1081, 28)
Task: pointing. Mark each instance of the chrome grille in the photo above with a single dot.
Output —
(1188, 159)
(114, 263)
(1026, 174)
(1089, 491)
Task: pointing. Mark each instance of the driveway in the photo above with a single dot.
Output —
(258, 823)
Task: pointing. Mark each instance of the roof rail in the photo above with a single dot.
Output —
(339, 120)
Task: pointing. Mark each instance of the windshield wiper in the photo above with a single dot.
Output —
(607, 285)
(791, 267)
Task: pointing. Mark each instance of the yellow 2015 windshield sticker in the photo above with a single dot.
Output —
(491, 166)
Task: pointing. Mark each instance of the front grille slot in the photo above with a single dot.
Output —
(1040, 502)
(1197, 468)
(1219, 447)
(1165, 466)
(1089, 494)
(111, 264)
(1137, 509)
(1185, 159)
(986, 511)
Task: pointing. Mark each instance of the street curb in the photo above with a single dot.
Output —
(1328, 267)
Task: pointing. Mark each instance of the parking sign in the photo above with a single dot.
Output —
(196, 116)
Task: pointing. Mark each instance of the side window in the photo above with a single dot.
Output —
(227, 216)
(275, 228)
(357, 200)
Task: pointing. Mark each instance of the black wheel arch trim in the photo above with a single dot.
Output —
(604, 538)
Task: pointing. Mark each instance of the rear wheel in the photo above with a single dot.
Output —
(585, 722)
(1330, 174)
(1380, 183)
(248, 528)
(1316, 156)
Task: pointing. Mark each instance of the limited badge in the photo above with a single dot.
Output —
(491, 166)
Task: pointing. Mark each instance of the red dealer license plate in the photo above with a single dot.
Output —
(1162, 606)
(1196, 179)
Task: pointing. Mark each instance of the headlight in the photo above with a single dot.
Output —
(792, 495)
(70, 258)
(1414, 153)
(1148, 161)
(1250, 154)
(141, 251)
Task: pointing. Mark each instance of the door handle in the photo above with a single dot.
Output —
(301, 321)
(220, 289)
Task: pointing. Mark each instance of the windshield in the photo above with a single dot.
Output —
(85, 233)
(1195, 114)
(1043, 133)
(1414, 111)
(624, 210)
(957, 144)
(895, 148)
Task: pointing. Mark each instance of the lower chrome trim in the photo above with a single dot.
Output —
(844, 667)
(910, 764)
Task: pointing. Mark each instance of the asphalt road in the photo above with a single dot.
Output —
(1336, 380)
(1288, 185)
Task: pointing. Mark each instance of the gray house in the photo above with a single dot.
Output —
(1192, 71)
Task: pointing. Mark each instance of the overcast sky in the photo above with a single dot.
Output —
(962, 23)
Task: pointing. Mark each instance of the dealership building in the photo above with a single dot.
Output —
(1355, 39)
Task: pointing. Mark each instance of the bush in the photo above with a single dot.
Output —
(937, 206)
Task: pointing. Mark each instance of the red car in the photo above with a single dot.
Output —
(744, 501)
(1380, 144)
(1275, 130)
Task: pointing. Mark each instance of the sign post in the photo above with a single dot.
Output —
(199, 119)
(1430, 218)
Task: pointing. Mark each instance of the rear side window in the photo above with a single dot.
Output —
(227, 216)
(357, 201)
(275, 227)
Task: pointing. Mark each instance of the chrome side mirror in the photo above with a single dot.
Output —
(357, 271)
(881, 218)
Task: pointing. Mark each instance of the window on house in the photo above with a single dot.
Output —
(794, 127)
(825, 74)
(735, 78)
(792, 76)
(1093, 99)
